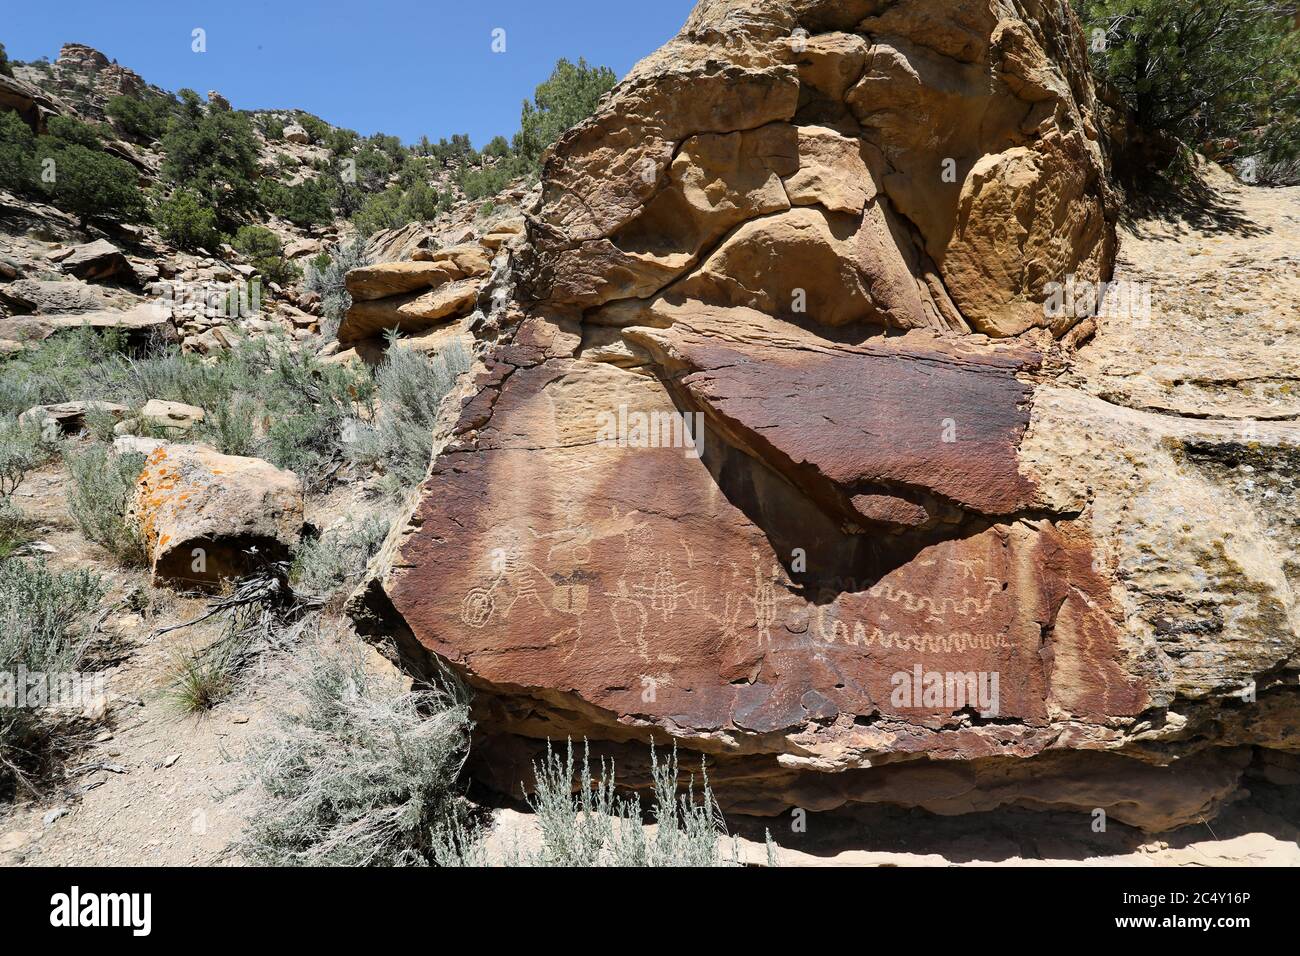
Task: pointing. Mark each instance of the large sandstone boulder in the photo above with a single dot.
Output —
(45, 297)
(167, 418)
(204, 514)
(400, 244)
(413, 297)
(414, 312)
(395, 278)
(951, 113)
(97, 261)
(472, 259)
(887, 555)
(302, 248)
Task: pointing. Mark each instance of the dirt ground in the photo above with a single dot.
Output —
(160, 788)
(156, 786)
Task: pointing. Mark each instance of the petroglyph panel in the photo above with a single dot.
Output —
(598, 571)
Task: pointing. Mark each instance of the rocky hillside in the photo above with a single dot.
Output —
(318, 188)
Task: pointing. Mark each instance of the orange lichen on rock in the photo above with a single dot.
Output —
(200, 512)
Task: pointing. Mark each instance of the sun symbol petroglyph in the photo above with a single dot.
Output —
(477, 607)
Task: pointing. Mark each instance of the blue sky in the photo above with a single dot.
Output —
(402, 67)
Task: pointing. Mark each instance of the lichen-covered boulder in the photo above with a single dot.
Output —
(207, 517)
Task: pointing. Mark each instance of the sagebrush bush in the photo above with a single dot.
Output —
(167, 375)
(585, 822)
(100, 423)
(262, 398)
(45, 617)
(100, 490)
(325, 277)
(409, 387)
(231, 426)
(15, 529)
(22, 449)
(360, 771)
(63, 368)
(330, 564)
(306, 404)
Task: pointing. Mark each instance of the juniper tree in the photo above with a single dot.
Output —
(1227, 71)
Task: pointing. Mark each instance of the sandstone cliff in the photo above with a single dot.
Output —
(835, 235)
